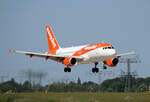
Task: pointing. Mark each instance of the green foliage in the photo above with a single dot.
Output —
(74, 87)
(6, 98)
(10, 85)
(113, 85)
(110, 85)
(27, 87)
(119, 85)
(13, 86)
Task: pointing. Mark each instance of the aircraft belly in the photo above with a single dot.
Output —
(94, 56)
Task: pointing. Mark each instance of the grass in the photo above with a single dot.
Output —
(6, 98)
(76, 97)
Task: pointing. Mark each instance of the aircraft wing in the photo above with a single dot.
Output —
(126, 54)
(58, 58)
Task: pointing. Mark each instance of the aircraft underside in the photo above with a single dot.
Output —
(93, 60)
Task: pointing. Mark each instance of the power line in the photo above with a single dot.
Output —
(129, 75)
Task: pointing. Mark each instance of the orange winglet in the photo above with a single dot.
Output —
(10, 51)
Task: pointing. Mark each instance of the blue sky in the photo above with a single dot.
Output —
(123, 23)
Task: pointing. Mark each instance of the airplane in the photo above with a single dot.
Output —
(71, 56)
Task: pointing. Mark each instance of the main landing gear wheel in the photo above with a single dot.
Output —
(67, 69)
(95, 69)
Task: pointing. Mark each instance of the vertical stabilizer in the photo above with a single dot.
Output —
(52, 42)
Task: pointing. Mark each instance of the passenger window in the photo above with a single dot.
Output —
(104, 48)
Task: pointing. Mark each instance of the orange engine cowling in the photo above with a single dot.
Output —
(112, 62)
(69, 61)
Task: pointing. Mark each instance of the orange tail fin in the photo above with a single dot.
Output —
(52, 42)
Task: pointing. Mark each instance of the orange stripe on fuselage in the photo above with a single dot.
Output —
(89, 48)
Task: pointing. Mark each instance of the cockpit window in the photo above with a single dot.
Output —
(108, 48)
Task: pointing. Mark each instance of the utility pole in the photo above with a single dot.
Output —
(128, 75)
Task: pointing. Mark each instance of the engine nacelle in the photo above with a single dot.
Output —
(69, 61)
(112, 62)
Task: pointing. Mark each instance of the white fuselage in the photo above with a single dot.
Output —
(95, 55)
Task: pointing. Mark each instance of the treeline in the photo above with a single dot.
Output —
(120, 84)
(13, 86)
(74, 87)
(126, 84)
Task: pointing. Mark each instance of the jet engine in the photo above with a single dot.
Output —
(112, 62)
(69, 61)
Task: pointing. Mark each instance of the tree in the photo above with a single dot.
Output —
(10, 85)
(79, 81)
(27, 86)
(147, 82)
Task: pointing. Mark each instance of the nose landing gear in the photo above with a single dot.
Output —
(104, 67)
(96, 70)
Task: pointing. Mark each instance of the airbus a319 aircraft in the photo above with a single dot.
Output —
(71, 56)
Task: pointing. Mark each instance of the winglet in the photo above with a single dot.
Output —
(11, 51)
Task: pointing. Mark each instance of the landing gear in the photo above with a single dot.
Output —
(95, 69)
(67, 69)
(104, 67)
